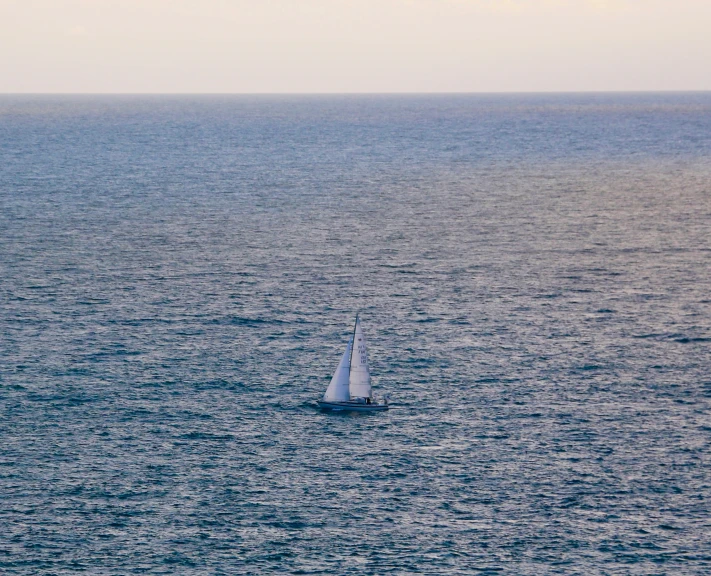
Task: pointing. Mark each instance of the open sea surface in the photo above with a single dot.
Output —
(179, 277)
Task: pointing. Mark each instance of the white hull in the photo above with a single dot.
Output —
(353, 406)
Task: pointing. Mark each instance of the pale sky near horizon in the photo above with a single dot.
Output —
(353, 46)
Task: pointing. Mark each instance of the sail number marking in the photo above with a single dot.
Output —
(362, 354)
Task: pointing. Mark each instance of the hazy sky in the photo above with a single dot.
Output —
(236, 46)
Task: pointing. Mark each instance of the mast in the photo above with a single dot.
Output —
(350, 360)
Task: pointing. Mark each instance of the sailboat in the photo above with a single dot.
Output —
(350, 387)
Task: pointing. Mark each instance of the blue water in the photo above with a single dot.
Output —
(179, 276)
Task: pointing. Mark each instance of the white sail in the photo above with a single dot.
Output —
(337, 390)
(359, 375)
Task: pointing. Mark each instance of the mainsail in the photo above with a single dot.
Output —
(337, 390)
(359, 373)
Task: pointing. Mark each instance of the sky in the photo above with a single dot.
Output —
(353, 46)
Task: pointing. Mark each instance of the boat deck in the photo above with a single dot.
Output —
(353, 405)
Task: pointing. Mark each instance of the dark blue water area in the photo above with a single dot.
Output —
(179, 277)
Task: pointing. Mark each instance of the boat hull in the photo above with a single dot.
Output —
(352, 406)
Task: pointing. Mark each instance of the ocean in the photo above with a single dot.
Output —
(180, 276)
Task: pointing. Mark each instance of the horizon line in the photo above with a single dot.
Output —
(404, 93)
